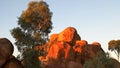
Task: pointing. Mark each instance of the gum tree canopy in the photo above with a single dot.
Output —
(114, 45)
(34, 25)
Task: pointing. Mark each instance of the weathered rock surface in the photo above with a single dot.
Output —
(69, 35)
(67, 50)
(79, 44)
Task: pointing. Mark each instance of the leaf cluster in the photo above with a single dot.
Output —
(38, 15)
(114, 45)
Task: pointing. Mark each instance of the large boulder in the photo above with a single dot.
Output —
(6, 58)
(90, 51)
(69, 35)
(6, 50)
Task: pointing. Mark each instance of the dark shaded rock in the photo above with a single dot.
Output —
(6, 58)
(12, 63)
(6, 50)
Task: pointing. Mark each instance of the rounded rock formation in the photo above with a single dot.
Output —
(69, 35)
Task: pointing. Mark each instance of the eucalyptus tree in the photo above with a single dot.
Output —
(34, 25)
(114, 45)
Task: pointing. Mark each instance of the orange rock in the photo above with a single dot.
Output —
(53, 52)
(79, 50)
(53, 37)
(67, 50)
(96, 44)
(60, 50)
(79, 44)
(41, 58)
(69, 35)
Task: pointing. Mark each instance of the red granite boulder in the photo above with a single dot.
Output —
(69, 35)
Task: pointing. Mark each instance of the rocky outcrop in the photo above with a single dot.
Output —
(67, 50)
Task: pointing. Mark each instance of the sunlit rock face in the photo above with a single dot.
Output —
(6, 51)
(53, 37)
(68, 35)
(96, 44)
(67, 50)
(79, 44)
(59, 50)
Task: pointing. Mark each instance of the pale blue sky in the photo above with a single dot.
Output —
(95, 20)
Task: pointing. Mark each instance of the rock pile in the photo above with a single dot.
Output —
(67, 50)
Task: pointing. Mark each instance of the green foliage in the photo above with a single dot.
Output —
(31, 55)
(101, 61)
(114, 45)
(34, 26)
(39, 16)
